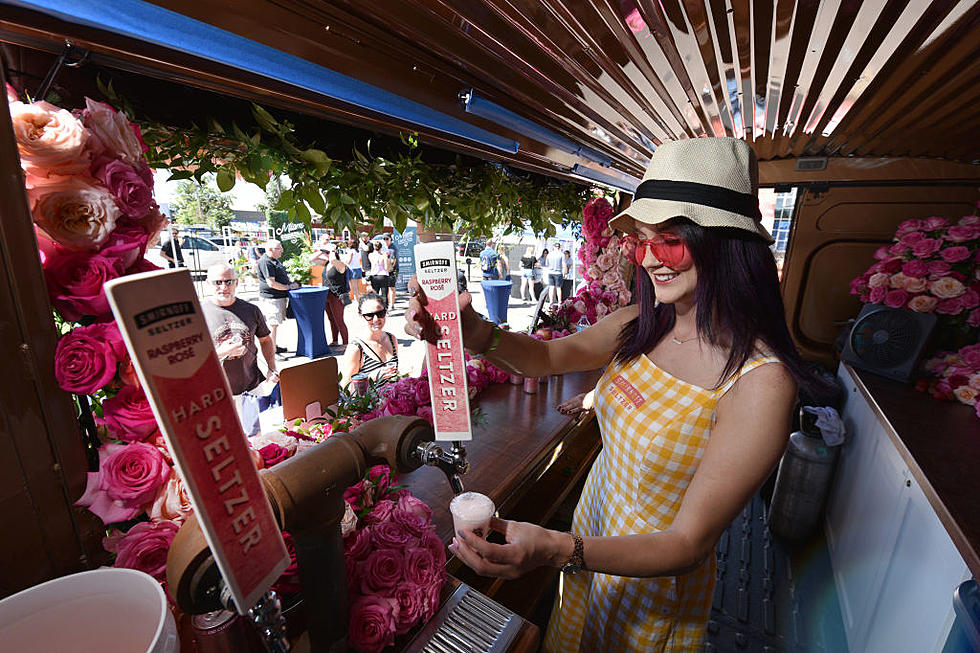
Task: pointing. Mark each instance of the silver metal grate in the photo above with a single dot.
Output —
(468, 622)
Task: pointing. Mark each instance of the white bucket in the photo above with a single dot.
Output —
(106, 610)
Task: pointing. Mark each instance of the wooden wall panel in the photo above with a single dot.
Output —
(835, 233)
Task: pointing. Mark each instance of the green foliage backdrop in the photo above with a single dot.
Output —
(364, 189)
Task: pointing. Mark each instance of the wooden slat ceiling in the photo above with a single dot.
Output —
(875, 78)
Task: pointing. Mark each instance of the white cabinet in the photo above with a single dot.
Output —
(894, 564)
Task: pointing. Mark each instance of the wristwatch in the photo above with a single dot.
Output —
(576, 561)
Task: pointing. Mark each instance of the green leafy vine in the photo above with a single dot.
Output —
(363, 189)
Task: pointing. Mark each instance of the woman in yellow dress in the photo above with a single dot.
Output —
(694, 408)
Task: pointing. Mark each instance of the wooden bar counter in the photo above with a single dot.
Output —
(527, 457)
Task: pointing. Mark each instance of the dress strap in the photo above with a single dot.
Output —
(751, 364)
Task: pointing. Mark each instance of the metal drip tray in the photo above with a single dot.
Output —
(468, 622)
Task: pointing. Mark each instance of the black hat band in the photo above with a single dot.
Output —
(691, 192)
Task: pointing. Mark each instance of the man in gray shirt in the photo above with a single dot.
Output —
(235, 325)
(557, 269)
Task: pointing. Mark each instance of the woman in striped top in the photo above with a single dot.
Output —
(377, 354)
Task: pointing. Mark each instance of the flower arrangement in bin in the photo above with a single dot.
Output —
(395, 561)
(932, 267)
(601, 265)
(955, 375)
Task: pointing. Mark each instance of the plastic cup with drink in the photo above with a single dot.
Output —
(471, 513)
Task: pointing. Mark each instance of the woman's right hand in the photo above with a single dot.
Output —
(577, 404)
(418, 321)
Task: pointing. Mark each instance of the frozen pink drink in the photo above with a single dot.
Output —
(471, 513)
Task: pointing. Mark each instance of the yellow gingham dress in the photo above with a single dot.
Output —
(654, 430)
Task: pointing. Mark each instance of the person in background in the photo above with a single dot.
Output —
(235, 325)
(365, 248)
(694, 408)
(170, 248)
(379, 271)
(556, 273)
(334, 279)
(274, 287)
(252, 254)
(377, 354)
(490, 262)
(528, 264)
(569, 266)
(356, 277)
(392, 251)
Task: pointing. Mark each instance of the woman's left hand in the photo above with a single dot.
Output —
(528, 547)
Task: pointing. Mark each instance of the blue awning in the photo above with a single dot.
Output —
(153, 24)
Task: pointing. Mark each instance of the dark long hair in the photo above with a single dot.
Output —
(737, 298)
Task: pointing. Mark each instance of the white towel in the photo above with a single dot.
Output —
(830, 424)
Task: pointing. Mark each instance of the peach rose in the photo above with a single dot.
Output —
(898, 280)
(50, 140)
(975, 381)
(879, 280)
(113, 131)
(171, 502)
(965, 394)
(923, 304)
(947, 288)
(915, 284)
(74, 212)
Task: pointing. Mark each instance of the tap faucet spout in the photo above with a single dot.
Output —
(452, 462)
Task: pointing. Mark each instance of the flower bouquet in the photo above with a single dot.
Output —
(932, 267)
(395, 561)
(955, 375)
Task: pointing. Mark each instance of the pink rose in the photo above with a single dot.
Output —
(938, 269)
(372, 625)
(75, 283)
(915, 268)
(947, 288)
(144, 547)
(75, 212)
(933, 223)
(133, 194)
(358, 544)
(420, 566)
(411, 604)
(971, 356)
(877, 295)
(909, 226)
(898, 249)
(380, 476)
(432, 595)
(416, 506)
(381, 571)
(923, 303)
(422, 395)
(896, 298)
(381, 512)
(128, 478)
(127, 243)
(970, 219)
(879, 280)
(171, 502)
(273, 454)
(970, 299)
(114, 134)
(881, 253)
(962, 233)
(973, 319)
(359, 495)
(436, 546)
(392, 535)
(912, 238)
(955, 254)
(128, 415)
(952, 306)
(425, 412)
(50, 140)
(926, 247)
(86, 359)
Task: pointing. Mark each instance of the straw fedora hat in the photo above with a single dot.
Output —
(713, 182)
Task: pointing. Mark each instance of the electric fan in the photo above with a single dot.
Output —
(888, 341)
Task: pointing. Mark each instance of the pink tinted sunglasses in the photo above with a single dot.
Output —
(669, 249)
